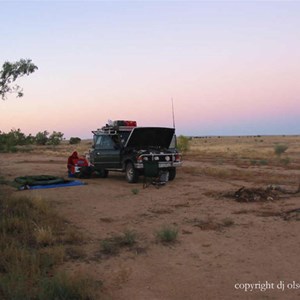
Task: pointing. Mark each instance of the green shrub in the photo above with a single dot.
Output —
(280, 148)
(108, 246)
(63, 287)
(128, 238)
(183, 143)
(167, 234)
(115, 243)
(135, 191)
(74, 140)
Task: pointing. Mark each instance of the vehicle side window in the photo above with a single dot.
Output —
(104, 142)
(97, 141)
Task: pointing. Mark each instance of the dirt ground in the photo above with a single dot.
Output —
(225, 249)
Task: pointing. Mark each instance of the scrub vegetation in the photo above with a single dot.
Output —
(227, 193)
(33, 243)
(74, 140)
(115, 243)
(280, 149)
(15, 139)
(167, 234)
(183, 143)
(245, 151)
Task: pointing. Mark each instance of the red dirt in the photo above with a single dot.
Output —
(242, 242)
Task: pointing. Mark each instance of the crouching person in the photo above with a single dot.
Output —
(78, 166)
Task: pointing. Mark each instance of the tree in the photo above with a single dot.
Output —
(9, 141)
(10, 72)
(17, 137)
(41, 138)
(55, 138)
(74, 140)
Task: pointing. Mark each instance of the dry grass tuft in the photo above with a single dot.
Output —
(209, 223)
(44, 236)
(31, 246)
(113, 245)
(167, 234)
(246, 150)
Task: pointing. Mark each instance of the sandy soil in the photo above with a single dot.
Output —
(222, 244)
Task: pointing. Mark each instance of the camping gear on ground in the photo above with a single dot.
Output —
(39, 180)
(44, 182)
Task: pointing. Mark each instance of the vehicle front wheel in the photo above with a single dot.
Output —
(132, 174)
(172, 174)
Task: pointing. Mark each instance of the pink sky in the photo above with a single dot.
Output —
(231, 68)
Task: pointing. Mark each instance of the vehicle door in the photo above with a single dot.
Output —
(106, 152)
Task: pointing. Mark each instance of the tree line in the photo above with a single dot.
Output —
(9, 141)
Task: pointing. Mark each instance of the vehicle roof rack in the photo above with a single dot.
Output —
(116, 126)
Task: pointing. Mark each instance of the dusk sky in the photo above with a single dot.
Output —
(231, 67)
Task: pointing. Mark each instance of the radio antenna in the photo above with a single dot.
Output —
(173, 115)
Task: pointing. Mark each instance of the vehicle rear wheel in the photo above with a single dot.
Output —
(172, 174)
(132, 174)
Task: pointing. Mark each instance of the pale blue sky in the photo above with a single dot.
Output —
(231, 67)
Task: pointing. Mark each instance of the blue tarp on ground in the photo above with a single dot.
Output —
(49, 186)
